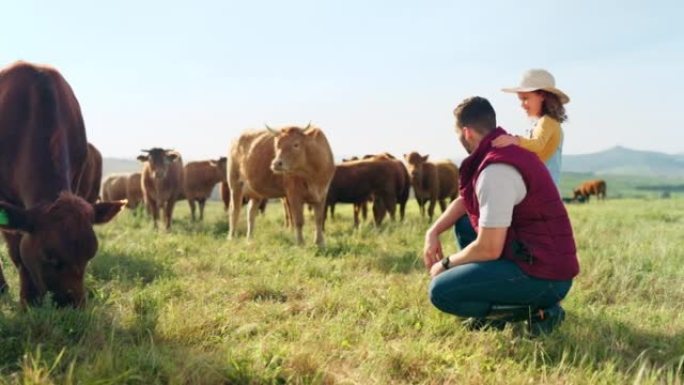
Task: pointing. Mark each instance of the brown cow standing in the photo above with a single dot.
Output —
(224, 190)
(161, 182)
(355, 182)
(48, 229)
(402, 180)
(199, 180)
(88, 182)
(134, 192)
(592, 187)
(294, 163)
(432, 182)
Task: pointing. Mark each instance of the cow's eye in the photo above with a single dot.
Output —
(296, 145)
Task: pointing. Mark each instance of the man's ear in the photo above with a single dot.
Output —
(467, 133)
(105, 211)
(15, 219)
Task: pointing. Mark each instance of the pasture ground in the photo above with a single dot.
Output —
(189, 307)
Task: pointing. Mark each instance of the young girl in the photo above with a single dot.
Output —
(543, 102)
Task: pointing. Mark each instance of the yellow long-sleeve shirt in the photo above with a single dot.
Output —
(546, 137)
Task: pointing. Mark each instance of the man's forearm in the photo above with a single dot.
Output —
(454, 211)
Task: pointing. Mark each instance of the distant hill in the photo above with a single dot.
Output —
(624, 161)
(115, 166)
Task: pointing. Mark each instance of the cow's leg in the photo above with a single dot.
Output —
(357, 211)
(296, 207)
(332, 211)
(364, 210)
(168, 212)
(202, 202)
(234, 209)
(287, 213)
(431, 208)
(391, 205)
(154, 210)
(252, 211)
(402, 210)
(319, 218)
(379, 210)
(191, 202)
(421, 207)
(442, 204)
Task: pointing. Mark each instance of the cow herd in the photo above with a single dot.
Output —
(51, 193)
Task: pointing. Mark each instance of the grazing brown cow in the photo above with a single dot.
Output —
(294, 163)
(114, 187)
(161, 182)
(87, 184)
(199, 180)
(591, 187)
(134, 193)
(432, 181)
(355, 182)
(48, 229)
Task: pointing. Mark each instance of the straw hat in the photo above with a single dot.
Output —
(538, 79)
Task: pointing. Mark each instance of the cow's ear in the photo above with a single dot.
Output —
(172, 155)
(105, 211)
(406, 156)
(213, 163)
(15, 219)
(143, 158)
(425, 158)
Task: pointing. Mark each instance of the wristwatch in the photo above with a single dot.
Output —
(445, 263)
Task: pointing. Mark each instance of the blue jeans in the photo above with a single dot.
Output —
(470, 290)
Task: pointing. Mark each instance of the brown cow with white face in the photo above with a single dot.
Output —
(432, 181)
(199, 180)
(47, 227)
(295, 163)
(161, 182)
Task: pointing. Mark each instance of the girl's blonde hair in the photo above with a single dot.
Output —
(553, 107)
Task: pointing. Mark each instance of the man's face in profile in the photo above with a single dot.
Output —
(460, 132)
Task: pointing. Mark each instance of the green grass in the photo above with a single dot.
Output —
(190, 307)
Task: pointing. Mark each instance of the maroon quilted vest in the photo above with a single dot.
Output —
(540, 239)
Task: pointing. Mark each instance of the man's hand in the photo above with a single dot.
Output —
(432, 250)
(436, 269)
(505, 140)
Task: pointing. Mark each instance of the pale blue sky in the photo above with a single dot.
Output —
(375, 75)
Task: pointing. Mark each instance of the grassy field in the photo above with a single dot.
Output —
(189, 307)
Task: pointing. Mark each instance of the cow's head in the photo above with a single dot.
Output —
(57, 241)
(221, 166)
(160, 161)
(414, 166)
(290, 149)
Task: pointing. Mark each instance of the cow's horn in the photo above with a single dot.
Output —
(146, 151)
(308, 126)
(270, 129)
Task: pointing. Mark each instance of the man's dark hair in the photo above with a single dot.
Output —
(476, 113)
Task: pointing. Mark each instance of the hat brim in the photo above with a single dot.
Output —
(564, 99)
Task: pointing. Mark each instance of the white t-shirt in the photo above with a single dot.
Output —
(499, 188)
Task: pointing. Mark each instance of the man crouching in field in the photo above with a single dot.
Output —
(523, 260)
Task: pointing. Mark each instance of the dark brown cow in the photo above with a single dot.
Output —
(88, 182)
(432, 182)
(114, 187)
(134, 193)
(402, 180)
(48, 229)
(161, 182)
(199, 180)
(293, 162)
(591, 187)
(355, 182)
